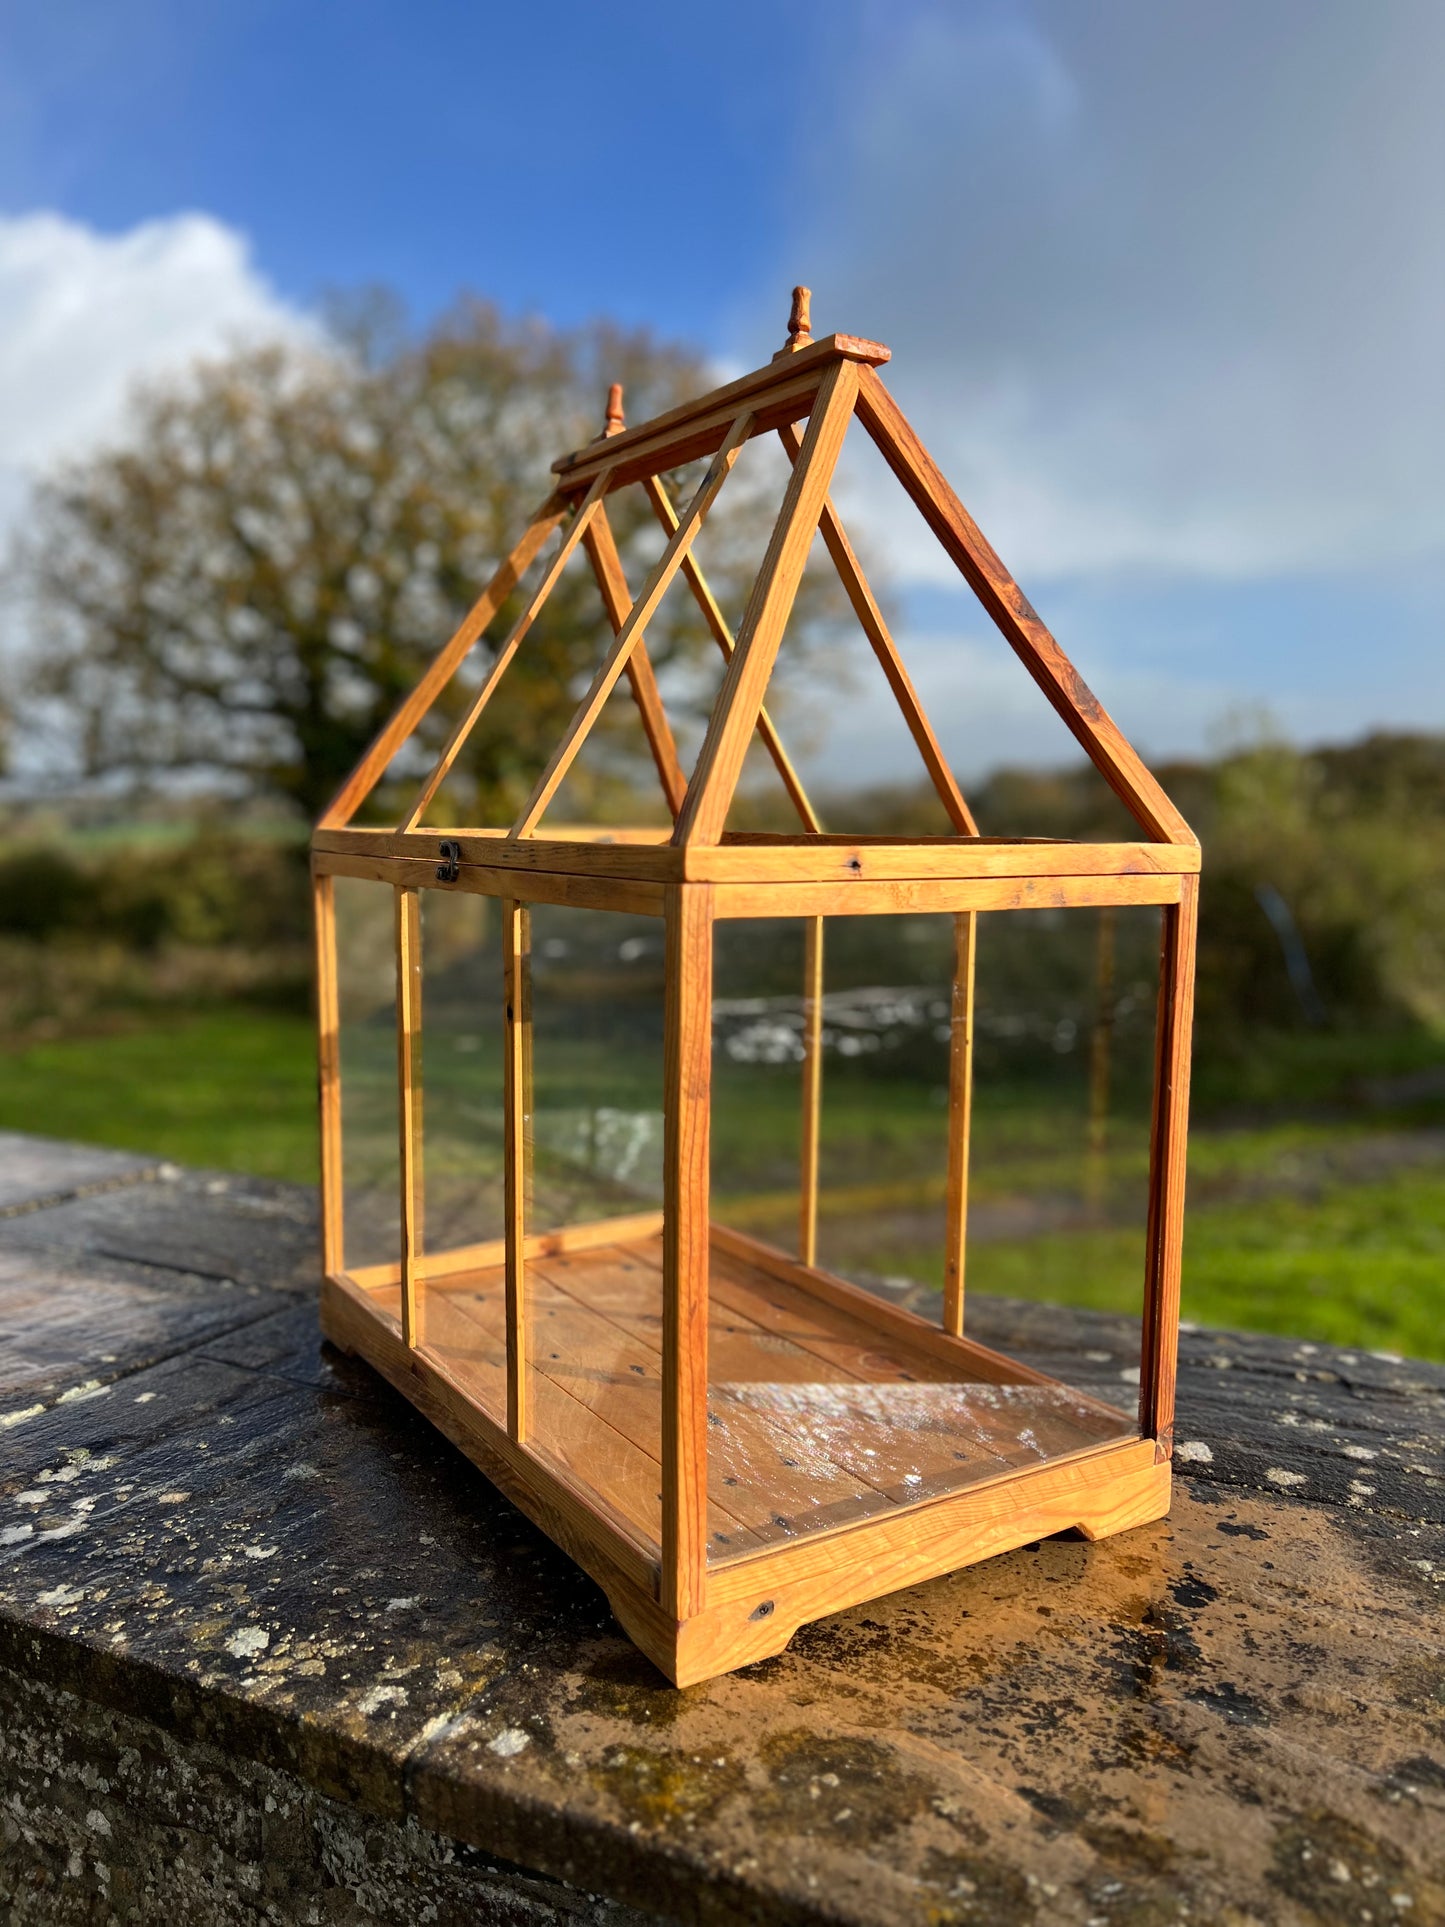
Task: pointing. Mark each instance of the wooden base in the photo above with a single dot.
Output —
(1120, 1489)
(853, 1448)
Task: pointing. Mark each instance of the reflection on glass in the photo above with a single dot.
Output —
(818, 1418)
(366, 997)
(594, 1314)
(461, 1076)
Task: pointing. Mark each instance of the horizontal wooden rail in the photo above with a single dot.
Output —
(770, 393)
(646, 855)
(916, 896)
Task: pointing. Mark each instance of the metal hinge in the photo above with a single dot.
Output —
(448, 869)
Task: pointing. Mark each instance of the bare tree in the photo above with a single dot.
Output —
(244, 588)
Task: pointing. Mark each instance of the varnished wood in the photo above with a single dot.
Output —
(409, 1110)
(328, 1074)
(628, 895)
(722, 635)
(812, 1094)
(800, 320)
(687, 1102)
(651, 856)
(634, 627)
(720, 761)
(1165, 1246)
(842, 1446)
(601, 547)
(916, 897)
(568, 1238)
(960, 1112)
(969, 1359)
(780, 391)
(1107, 1492)
(602, 1541)
(469, 717)
(373, 765)
(517, 1103)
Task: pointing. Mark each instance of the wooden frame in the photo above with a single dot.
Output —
(629, 1471)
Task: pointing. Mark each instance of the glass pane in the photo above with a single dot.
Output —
(594, 1299)
(597, 1006)
(819, 1413)
(366, 994)
(757, 1051)
(461, 1070)
(1063, 1085)
(883, 1138)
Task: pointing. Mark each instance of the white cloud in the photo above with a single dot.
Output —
(84, 315)
(1163, 283)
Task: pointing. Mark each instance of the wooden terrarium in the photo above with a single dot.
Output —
(534, 1053)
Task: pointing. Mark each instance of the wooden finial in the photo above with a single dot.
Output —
(616, 420)
(800, 331)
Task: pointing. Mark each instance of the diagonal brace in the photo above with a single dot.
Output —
(467, 721)
(656, 586)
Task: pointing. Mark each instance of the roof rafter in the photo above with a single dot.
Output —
(1098, 734)
(719, 765)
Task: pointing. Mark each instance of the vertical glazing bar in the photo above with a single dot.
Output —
(408, 1076)
(328, 1076)
(687, 1102)
(1096, 1163)
(517, 1099)
(960, 1119)
(812, 1091)
(1166, 1168)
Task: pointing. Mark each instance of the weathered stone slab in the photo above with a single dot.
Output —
(251, 1231)
(72, 1324)
(116, 1821)
(45, 1170)
(254, 1560)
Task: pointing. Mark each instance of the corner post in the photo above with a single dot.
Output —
(517, 1150)
(960, 1114)
(1159, 1359)
(687, 1106)
(812, 1091)
(408, 1041)
(328, 1075)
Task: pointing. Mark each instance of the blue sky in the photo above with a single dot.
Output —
(1163, 284)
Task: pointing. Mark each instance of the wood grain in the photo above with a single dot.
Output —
(865, 898)
(409, 1110)
(328, 1075)
(670, 439)
(960, 1119)
(812, 1091)
(516, 1120)
(687, 1104)
(1167, 1161)
(650, 855)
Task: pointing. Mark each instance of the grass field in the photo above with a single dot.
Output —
(1329, 1229)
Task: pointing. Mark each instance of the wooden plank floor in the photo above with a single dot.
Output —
(817, 1418)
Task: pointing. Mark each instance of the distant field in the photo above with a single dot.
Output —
(1330, 1231)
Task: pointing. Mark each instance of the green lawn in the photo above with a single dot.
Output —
(1356, 1263)
(234, 1089)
